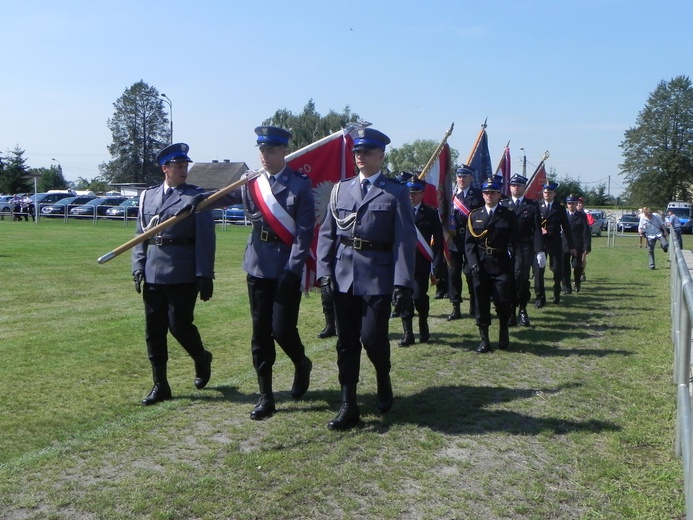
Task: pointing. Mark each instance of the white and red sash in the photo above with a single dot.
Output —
(423, 246)
(461, 206)
(274, 214)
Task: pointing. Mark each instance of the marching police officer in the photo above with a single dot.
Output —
(529, 243)
(280, 205)
(490, 246)
(554, 222)
(366, 251)
(429, 249)
(171, 269)
(466, 199)
(579, 229)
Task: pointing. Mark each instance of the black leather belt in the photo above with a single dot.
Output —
(266, 235)
(360, 244)
(162, 241)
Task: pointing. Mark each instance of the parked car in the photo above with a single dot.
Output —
(628, 223)
(132, 206)
(101, 204)
(235, 213)
(596, 228)
(5, 203)
(600, 216)
(60, 208)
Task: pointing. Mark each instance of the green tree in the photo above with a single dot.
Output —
(597, 196)
(13, 177)
(658, 150)
(50, 179)
(412, 157)
(140, 129)
(97, 184)
(309, 126)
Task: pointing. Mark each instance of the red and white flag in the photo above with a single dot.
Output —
(534, 186)
(504, 169)
(325, 162)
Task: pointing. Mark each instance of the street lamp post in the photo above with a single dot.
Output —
(170, 114)
(524, 162)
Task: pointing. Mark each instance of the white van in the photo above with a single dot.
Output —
(681, 210)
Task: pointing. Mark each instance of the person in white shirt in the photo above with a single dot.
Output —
(652, 227)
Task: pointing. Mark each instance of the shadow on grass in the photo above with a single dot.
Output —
(463, 410)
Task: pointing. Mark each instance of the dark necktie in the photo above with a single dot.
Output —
(167, 193)
(365, 186)
(272, 179)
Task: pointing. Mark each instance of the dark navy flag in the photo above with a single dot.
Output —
(480, 159)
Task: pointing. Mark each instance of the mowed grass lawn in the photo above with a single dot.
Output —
(575, 420)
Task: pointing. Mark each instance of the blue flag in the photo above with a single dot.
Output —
(480, 160)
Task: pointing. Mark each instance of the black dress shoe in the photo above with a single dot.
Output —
(566, 291)
(483, 347)
(394, 315)
(557, 298)
(160, 392)
(264, 408)
(440, 296)
(455, 314)
(424, 335)
(203, 369)
(347, 417)
(524, 317)
(512, 322)
(407, 339)
(327, 332)
(301, 378)
(577, 287)
(540, 303)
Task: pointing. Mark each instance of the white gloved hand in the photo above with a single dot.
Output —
(541, 259)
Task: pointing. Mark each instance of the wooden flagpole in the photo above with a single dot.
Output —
(173, 220)
(436, 153)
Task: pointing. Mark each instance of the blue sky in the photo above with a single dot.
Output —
(568, 76)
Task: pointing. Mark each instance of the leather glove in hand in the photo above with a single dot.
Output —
(541, 259)
(475, 270)
(401, 299)
(206, 287)
(327, 289)
(138, 278)
(192, 204)
(287, 283)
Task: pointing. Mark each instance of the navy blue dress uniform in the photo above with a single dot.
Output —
(554, 223)
(582, 242)
(427, 221)
(174, 267)
(274, 272)
(471, 199)
(366, 255)
(491, 245)
(529, 243)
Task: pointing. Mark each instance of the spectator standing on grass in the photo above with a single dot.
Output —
(366, 255)
(675, 225)
(171, 269)
(652, 227)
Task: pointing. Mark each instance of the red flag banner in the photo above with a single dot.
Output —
(534, 186)
(325, 162)
(504, 169)
(436, 192)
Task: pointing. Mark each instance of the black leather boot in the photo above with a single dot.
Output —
(301, 378)
(472, 306)
(161, 391)
(330, 328)
(455, 314)
(385, 397)
(512, 321)
(485, 345)
(265, 405)
(524, 317)
(424, 333)
(203, 369)
(503, 336)
(407, 328)
(348, 415)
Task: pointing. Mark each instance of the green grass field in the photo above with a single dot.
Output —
(576, 420)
